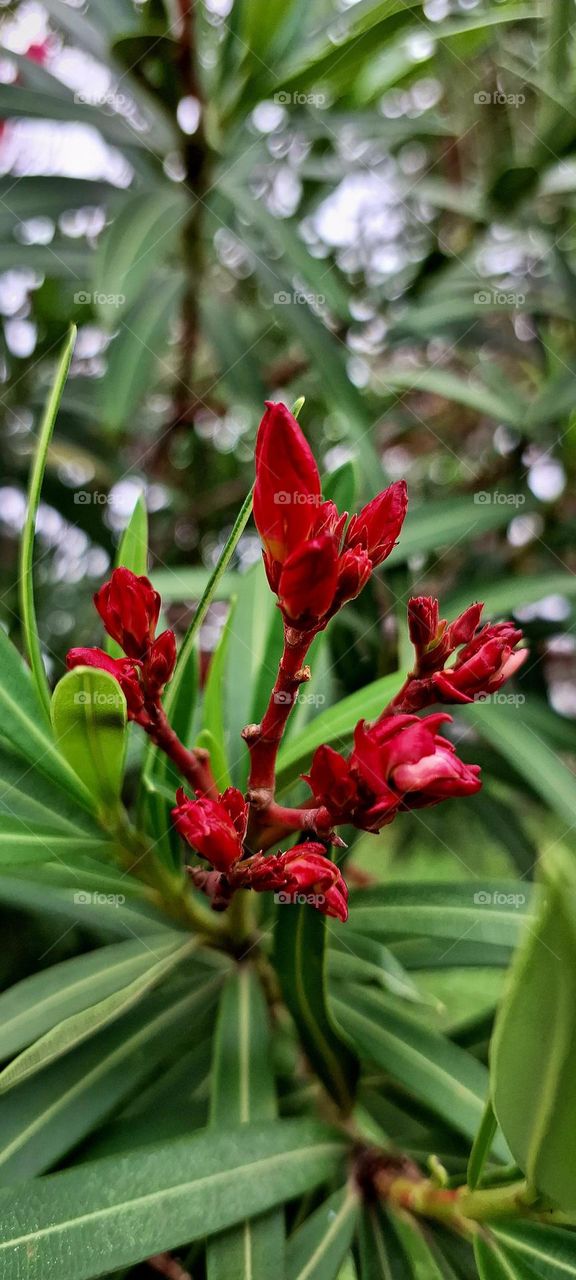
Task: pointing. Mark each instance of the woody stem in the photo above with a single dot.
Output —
(263, 740)
(193, 765)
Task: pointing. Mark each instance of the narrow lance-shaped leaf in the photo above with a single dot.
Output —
(26, 584)
(317, 1249)
(89, 719)
(158, 1198)
(300, 950)
(242, 1092)
(80, 1026)
(534, 1044)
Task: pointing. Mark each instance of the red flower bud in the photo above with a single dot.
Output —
(307, 582)
(287, 488)
(124, 671)
(377, 527)
(160, 663)
(401, 762)
(215, 828)
(129, 607)
(305, 869)
(423, 622)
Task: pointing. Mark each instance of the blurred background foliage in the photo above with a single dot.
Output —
(370, 204)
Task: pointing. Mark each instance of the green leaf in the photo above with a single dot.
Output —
(25, 578)
(300, 951)
(50, 1113)
(144, 232)
(80, 1026)
(158, 1198)
(23, 726)
(496, 1263)
(508, 593)
(491, 912)
(137, 356)
(507, 726)
(132, 554)
(354, 958)
(318, 1248)
(379, 1252)
(534, 1086)
(29, 843)
(36, 1004)
(434, 525)
(420, 1256)
(252, 662)
(481, 1146)
(549, 1253)
(242, 1092)
(175, 687)
(213, 709)
(451, 386)
(430, 1067)
(89, 719)
(189, 584)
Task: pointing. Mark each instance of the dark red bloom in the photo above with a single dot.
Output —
(304, 870)
(399, 763)
(485, 658)
(126, 672)
(215, 828)
(311, 563)
(129, 607)
(160, 663)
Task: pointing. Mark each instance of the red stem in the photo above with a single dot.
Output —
(263, 740)
(193, 765)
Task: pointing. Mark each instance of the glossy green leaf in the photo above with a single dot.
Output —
(491, 912)
(144, 232)
(507, 725)
(26, 583)
(242, 1091)
(534, 1087)
(159, 1198)
(481, 1146)
(89, 719)
(435, 525)
(496, 1263)
(39, 1002)
(546, 1252)
(300, 951)
(138, 353)
(317, 1249)
(50, 1113)
(23, 726)
(87, 1022)
(213, 708)
(430, 1067)
(380, 1257)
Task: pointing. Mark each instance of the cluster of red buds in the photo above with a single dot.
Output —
(316, 560)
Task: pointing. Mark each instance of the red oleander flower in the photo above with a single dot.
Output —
(215, 828)
(303, 870)
(126, 672)
(313, 563)
(399, 763)
(129, 607)
(485, 658)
